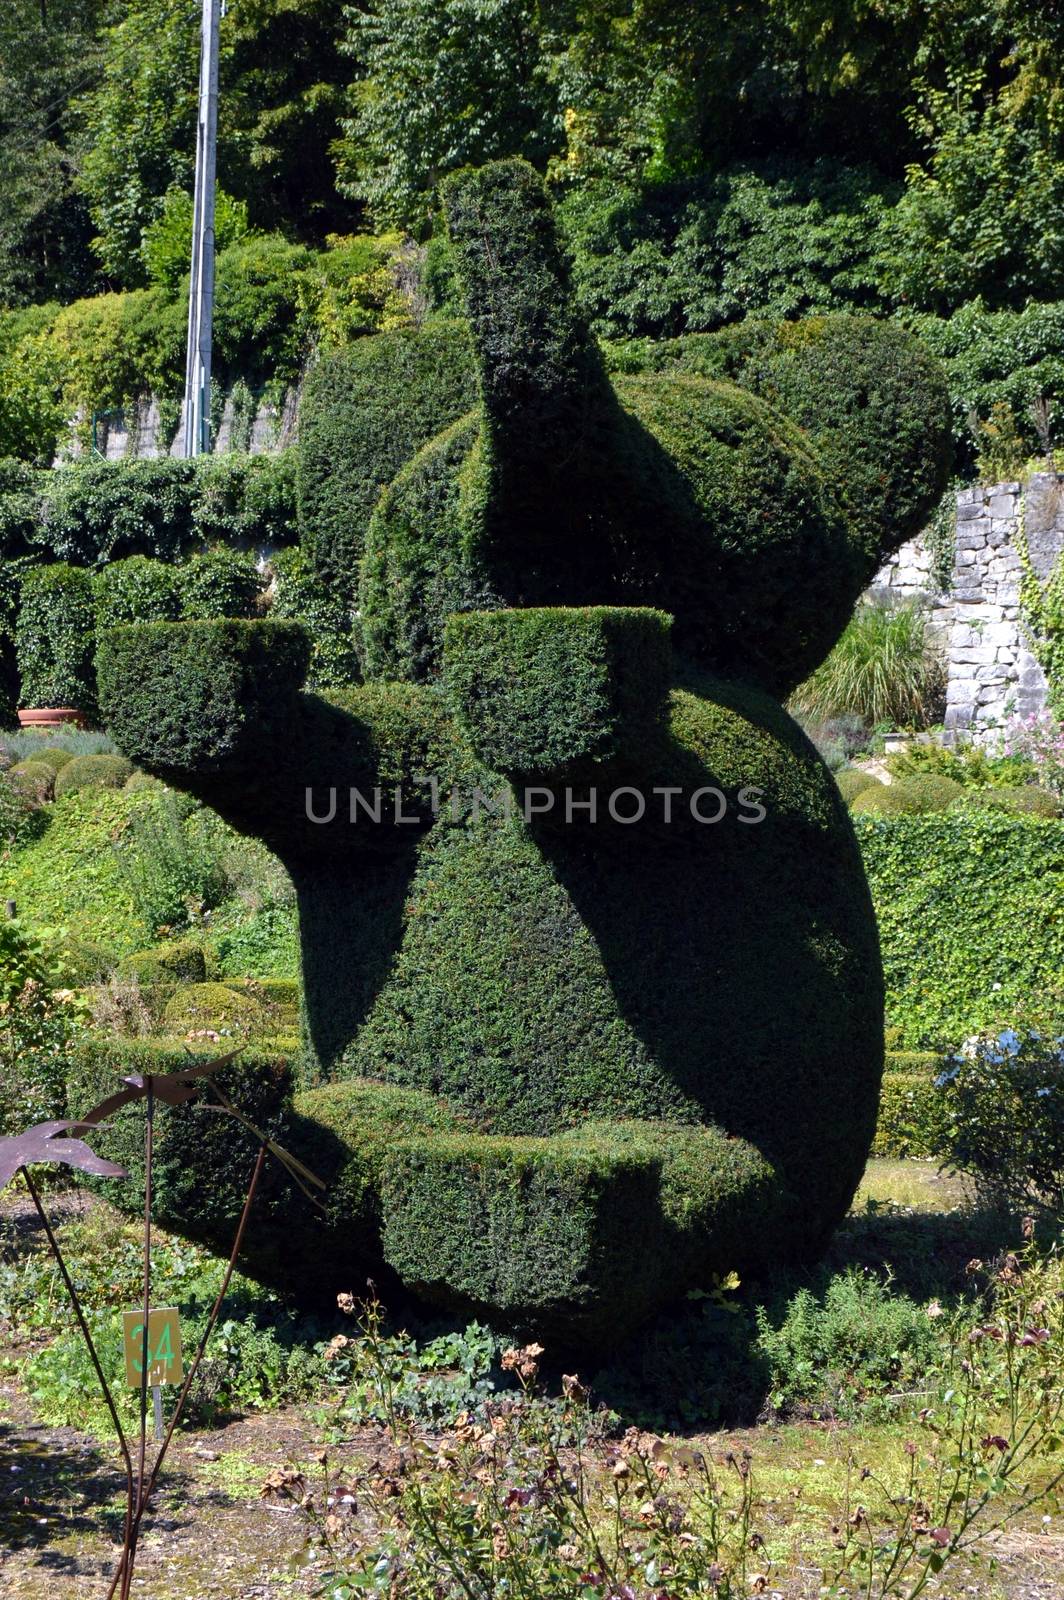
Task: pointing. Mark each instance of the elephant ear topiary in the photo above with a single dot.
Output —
(592, 994)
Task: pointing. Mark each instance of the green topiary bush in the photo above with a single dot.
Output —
(649, 1020)
(52, 757)
(364, 412)
(93, 772)
(909, 795)
(852, 782)
(33, 780)
(212, 1006)
(1026, 800)
(135, 590)
(54, 639)
(301, 595)
(219, 583)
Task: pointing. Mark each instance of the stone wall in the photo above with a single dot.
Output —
(992, 674)
(137, 430)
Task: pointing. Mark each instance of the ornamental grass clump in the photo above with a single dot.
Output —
(887, 668)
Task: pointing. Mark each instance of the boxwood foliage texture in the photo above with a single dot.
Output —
(713, 990)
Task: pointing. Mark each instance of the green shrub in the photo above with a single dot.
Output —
(536, 691)
(967, 764)
(886, 668)
(1001, 1119)
(245, 500)
(94, 512)
(204, 1160)
(93, 772)
(178, 961)
(55, 639)
(50, 756)
(852, 782)
(135, 590)
(18, 506)
(1025, 800)
(575, 1233)
(170, 869)
(213, 1006)
(302, 596)
(971, 917)
(34, 781)
(908, 1114)
(364, 412)
(909, 796)
(858, 1341)
(36, 1030)
(219, 583)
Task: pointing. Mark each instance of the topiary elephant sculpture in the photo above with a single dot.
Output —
(593, 1000)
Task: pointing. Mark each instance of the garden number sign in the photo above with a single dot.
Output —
(164, 1346)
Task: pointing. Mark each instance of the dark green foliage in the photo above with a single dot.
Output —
(302, 596)
(573, 1235)
(187, 696)
(536, 691)
(218, 583)
(565, 490)
(852, 782)
(54, 639)
(364, 412)
(873, 403)
(971, 917)
(135, 590)
(95, 512)
(203, 1160)
(93, 772)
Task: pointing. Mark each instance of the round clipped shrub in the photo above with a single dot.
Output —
(181, 961)
(909, 795)
(135, 590)
(219, 583)
(144, 780)
(211, 1006)
(34, 780)
(852, 782)
(1027, 800)
(93, 772)
(52, 757)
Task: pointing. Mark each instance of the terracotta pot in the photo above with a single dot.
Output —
(51, 717)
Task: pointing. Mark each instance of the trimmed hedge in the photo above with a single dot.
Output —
(909, 1105)
(755, 530)
(535, 691)
(215, 1006)
(93, 772)
(873, 402)
(52, 757)
(135, 590)
(33, 780)
(852, 782)
(579, 1236)
(912, 796)
(181, 961)
(364, 412)
(203, 1160)
(302, 596)
(1024, 800)
(970, 908)
(218, 583)
(54, 639)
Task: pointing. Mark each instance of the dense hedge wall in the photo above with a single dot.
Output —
(970, 909)
(55, 638)
(301, 595)
(93, 512)
(364, 412)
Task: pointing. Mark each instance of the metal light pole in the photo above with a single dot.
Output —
(201, 287)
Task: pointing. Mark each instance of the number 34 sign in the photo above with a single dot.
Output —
(164, 1346)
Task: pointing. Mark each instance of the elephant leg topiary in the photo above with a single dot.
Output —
(591, 980)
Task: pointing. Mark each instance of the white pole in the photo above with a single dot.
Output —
(201, 286)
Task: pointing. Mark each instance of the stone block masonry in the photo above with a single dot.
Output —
(992, 674)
